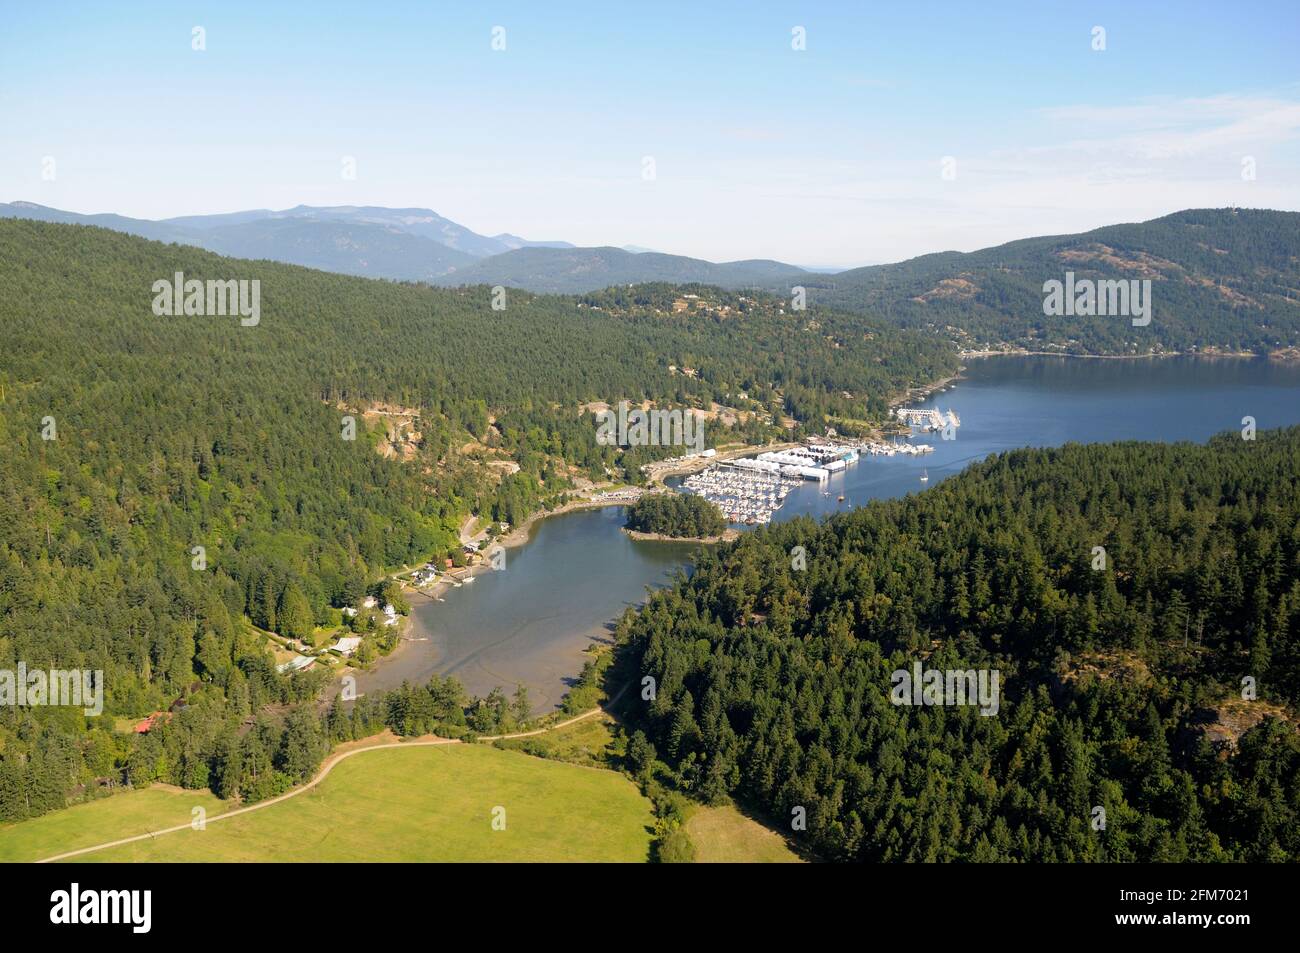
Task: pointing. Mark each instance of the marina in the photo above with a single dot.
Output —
(877, 449)
(745, 494)
(580, 571)
(928, 418)
(750, 490)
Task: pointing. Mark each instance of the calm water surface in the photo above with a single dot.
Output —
(560, 591)
(531, 622)
(1009, 402)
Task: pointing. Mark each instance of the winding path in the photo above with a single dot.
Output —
(326, 767)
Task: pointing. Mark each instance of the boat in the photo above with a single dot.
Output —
(925, 475)
(841, 498)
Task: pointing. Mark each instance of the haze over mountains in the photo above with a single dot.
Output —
(576, 270)
(402, 244)
(1225, 279)
(415, 244)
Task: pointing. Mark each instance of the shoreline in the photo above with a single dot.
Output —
(1281, 356)
(727, 536)
(520, 535)
(695, 464)
(434, 592)
(627, 495)
(925, 391)
(922, 392)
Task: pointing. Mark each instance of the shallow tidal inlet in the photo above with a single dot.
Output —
(531, 622)
(562, 590)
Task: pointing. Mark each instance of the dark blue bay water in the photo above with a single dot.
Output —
(1009, 402)
(578, 572)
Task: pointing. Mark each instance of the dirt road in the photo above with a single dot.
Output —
(385, 740)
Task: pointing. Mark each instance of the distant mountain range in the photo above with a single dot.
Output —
(576, 270)
(417, 244)
(1225, 279)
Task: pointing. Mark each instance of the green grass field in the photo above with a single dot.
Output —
(110, 818)
(589, 742)
(723, 835)
(421, 804)
(425, 803)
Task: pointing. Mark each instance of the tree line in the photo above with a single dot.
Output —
(1220, 279)
(1140, 602)
(676, 514)
(247, 750)
(166, 482)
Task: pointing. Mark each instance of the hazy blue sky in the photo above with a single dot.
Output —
(827, 156)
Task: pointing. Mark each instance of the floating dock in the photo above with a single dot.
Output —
(930, 418)
(747, 491)
(751, 489)
(815, 461)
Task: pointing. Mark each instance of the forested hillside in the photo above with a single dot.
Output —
(676, 514)
(575, 270)
(1222, 279)
(130, 438)
(1121, 679)
(416, 244)
(411, 244)
(1226, 279)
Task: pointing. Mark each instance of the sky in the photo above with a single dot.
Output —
(699, 129)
